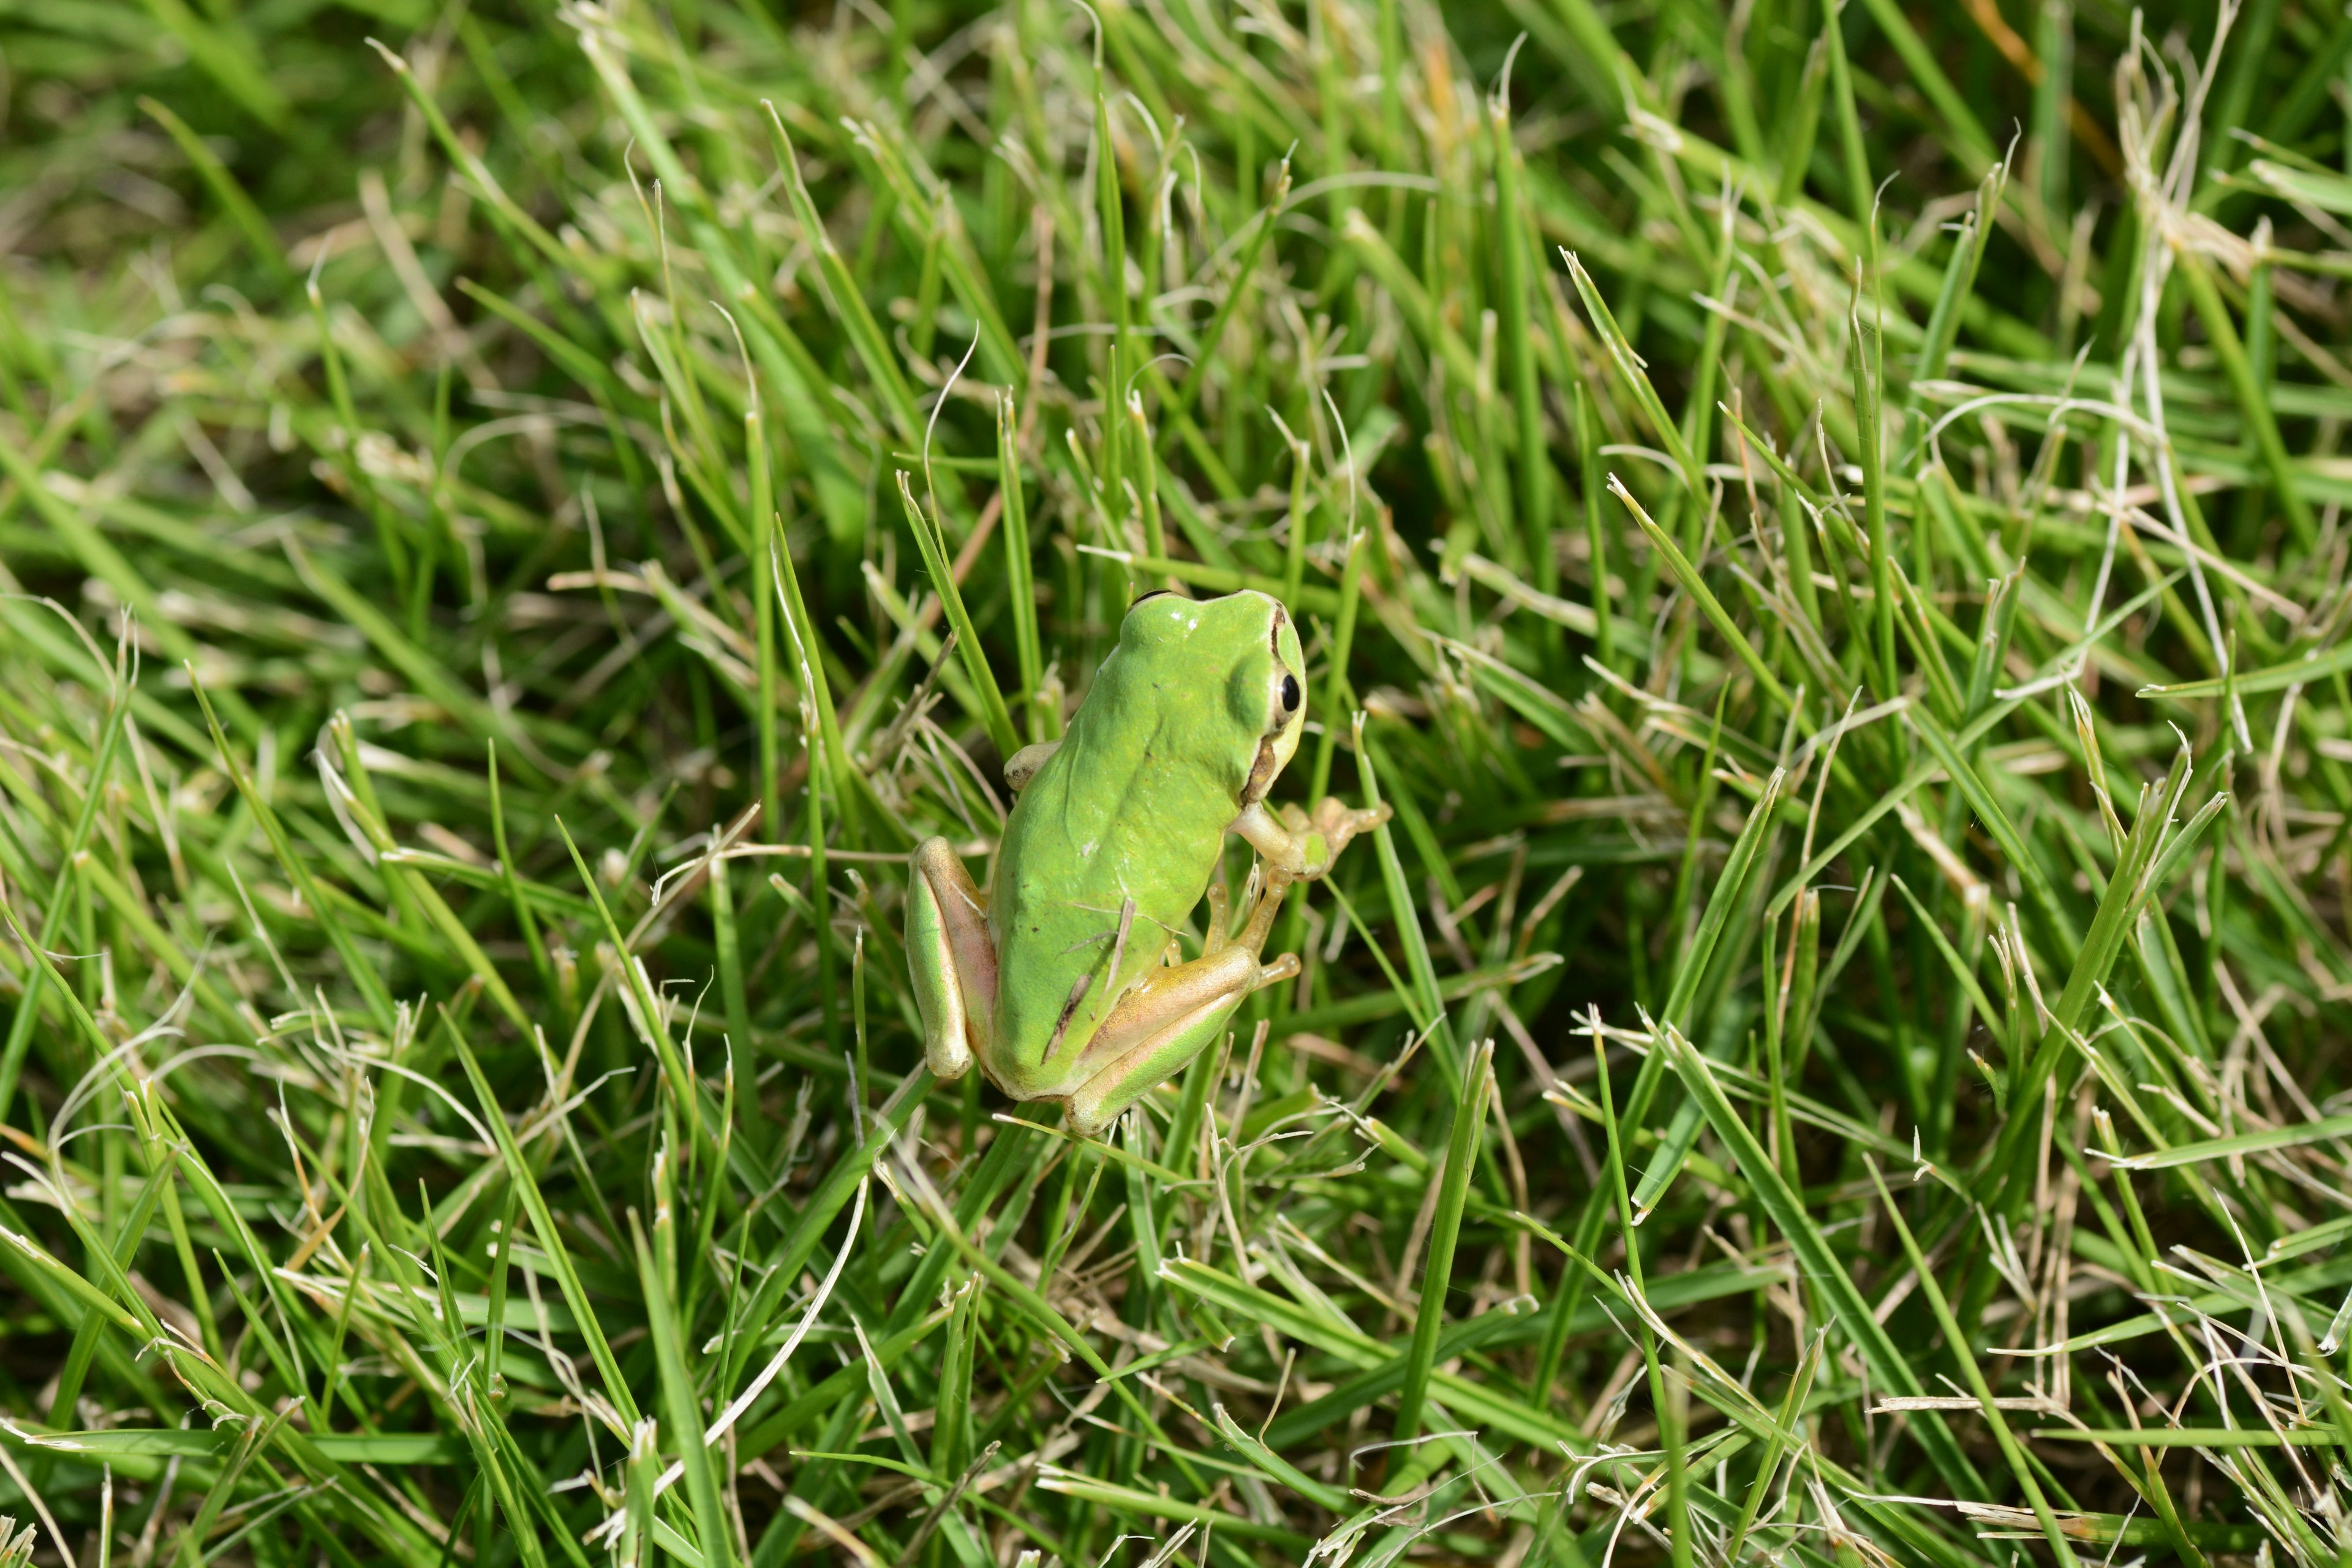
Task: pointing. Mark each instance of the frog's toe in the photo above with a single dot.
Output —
(1339, 822)
(1336, 818)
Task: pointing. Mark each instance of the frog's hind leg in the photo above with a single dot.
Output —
(1169, 1019)
(952, 957)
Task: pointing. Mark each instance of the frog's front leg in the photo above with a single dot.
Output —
(952, 957)
(1167, 1019)
(1302, 845)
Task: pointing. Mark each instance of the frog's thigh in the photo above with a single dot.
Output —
(951, 957)
(1158, 1028)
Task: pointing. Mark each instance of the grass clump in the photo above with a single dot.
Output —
(516, 518)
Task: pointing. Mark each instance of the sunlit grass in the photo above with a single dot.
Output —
(1834, 1061)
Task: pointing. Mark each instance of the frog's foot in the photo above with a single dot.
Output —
(951, 957)
(1163, 1024)
(1333, 822)
(1339, 822)
(1303, 844)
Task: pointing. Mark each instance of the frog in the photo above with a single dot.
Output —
(1064, 979)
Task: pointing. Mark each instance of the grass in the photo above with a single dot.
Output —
(487, 495)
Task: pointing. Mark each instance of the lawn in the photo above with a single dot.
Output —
(1826, 533)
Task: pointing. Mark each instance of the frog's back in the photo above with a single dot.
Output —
(1133, 805)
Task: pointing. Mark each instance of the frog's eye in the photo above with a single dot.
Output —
(1283, 697)
(1154, 594)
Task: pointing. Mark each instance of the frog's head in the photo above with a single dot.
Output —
(1241, 648)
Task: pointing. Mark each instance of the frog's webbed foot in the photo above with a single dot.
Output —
(1327, 829)
(1339, 822)
(951, 957)
(1301, 846)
